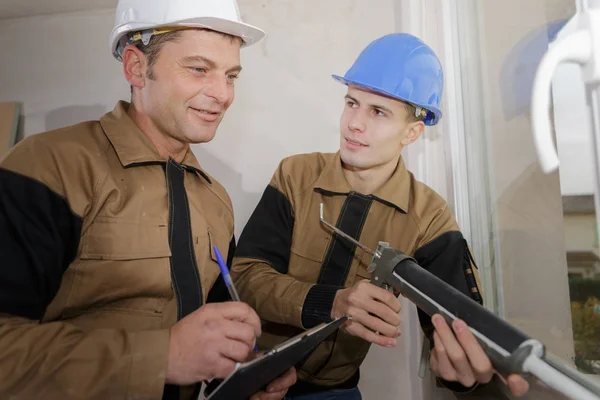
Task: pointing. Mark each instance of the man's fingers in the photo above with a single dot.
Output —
(479, 361)
(376, 325)
(433, 363)
(239, 331)
(238, 311)
(278, 388)
(384, 296)
(454, 351)
(517, 385)
(269, 396)
(368, 297)
(283, 382)
(223, 368)
(444, 366)
(235, 350)
(382, 311)
(356, 329)
(254, 354)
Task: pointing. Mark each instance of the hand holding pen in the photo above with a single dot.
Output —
(211, 342)
(227, 278)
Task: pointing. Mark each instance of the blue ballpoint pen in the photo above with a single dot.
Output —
(227, 278)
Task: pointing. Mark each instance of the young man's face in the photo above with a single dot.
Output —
(193, 85)
(374, 129)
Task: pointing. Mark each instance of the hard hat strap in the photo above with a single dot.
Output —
(420, 112)
(145, 36)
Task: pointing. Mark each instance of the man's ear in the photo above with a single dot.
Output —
(413, 131)
(134, 66)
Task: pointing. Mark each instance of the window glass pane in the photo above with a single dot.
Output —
(541, 238)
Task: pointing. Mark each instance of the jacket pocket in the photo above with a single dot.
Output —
(310, 246)
(307, 253)
(123, 267)
(129, 319)
(221, 242)
(120, 239)
(209, 266)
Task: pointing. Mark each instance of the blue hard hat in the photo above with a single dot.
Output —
(401, 66)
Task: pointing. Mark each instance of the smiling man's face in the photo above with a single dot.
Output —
(192, 85)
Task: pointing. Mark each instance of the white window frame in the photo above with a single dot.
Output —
(462, 190)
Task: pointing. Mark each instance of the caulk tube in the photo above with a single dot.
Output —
(499, 339)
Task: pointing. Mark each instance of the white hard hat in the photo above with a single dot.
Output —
(145, 17)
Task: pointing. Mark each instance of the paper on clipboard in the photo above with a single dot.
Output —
(252, 376)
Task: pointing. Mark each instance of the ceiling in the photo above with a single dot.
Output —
(25, 8)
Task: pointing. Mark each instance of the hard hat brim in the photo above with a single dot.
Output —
(248, 33)
(436, 112)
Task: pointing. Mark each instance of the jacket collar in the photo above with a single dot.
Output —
(395, 192)
(133, 147)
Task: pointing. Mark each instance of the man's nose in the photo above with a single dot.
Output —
(357, 123)
(219, 89)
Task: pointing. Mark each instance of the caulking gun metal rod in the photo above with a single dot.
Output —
(341, 233)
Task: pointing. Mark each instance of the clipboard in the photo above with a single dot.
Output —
(253, 376)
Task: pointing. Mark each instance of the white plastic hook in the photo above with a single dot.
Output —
(582, 47)
(575, 47)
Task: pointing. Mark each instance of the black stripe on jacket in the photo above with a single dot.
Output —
(268, 233)
(39, 238)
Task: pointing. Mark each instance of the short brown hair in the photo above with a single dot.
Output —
(153, 47)
(411, 112)
(156, 43)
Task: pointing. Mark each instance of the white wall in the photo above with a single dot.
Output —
(60, 68)
(286, 102)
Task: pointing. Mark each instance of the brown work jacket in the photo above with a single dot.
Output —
(104, 246)
(289, 266)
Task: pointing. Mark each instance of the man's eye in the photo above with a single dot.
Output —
(351, 104)
(198, 70)
(232, 77)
